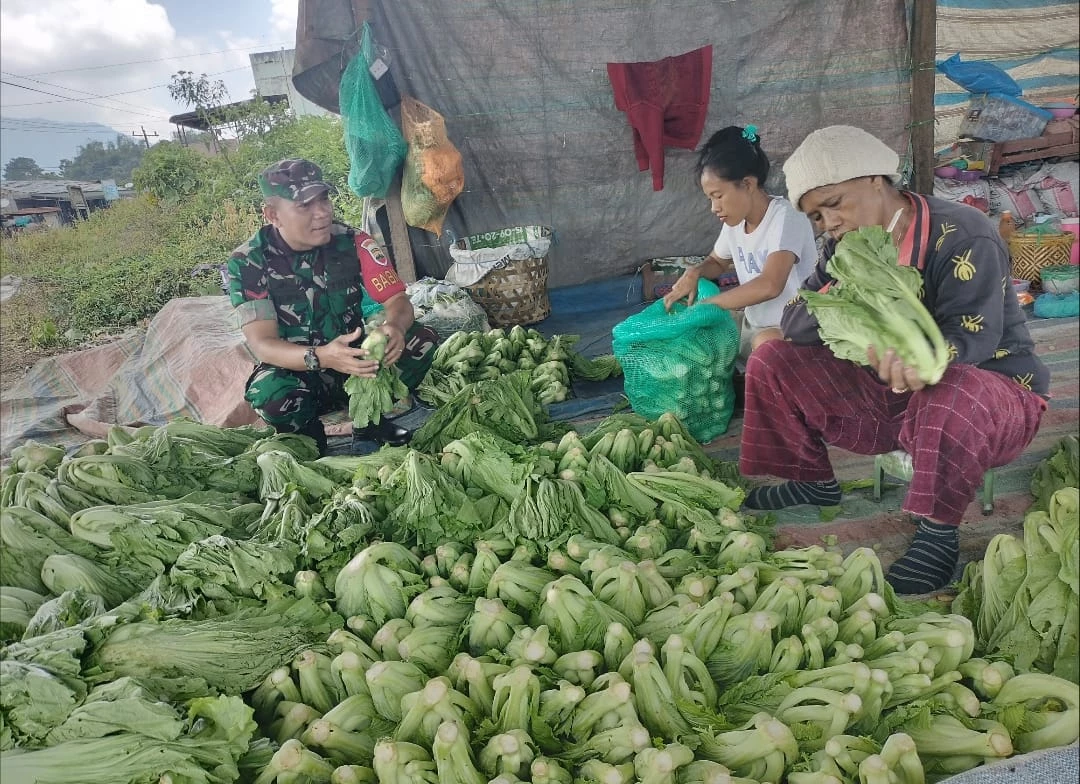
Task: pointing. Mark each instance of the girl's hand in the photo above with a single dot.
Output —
(685, 288)
(892, 371)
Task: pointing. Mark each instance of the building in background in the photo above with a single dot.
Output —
(272, 72)
(273, 76)
(52, 202)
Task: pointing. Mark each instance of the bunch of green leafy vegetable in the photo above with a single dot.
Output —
(1060, 469)
(1024, 596)
(465, 357)
(230, 653)
(876, 302)
(154, 743)
(371, 398)
(505, 406)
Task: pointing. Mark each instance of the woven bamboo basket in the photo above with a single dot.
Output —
(515, 293)
(1031, 253)
(515, 290)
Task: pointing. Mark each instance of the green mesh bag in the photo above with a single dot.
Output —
(681, 362)
(375, 145)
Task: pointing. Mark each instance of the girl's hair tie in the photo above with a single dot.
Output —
(750, 133)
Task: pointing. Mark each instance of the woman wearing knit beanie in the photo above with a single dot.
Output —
(982, 413)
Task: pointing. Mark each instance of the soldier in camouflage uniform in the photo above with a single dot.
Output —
(300, 288)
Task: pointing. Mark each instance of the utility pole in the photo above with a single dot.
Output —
(145, 135)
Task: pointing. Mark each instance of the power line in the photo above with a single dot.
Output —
(46, 130)
(80, 100)
(74, 90)
(108, 95)
(157, 60)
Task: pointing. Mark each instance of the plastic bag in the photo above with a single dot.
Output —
(1058, 305)
(372, 140)
(434, 175)
(477, 255)
(979, 76)
(446, 308)
(681, 362)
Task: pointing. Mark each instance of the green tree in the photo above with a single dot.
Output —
(115, 160)
(170, 171)
(23, 168)
(205, 97)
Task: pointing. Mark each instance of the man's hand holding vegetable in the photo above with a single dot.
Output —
(907, 337)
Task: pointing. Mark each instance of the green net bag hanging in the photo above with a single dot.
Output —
(375, 146)
(681, 362)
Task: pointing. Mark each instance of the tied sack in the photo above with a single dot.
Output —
(681, 362)
(433, 175)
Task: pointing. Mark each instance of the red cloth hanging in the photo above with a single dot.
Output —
(666, 102)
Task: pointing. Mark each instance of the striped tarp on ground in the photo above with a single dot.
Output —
(1035, 41)
(190, 362)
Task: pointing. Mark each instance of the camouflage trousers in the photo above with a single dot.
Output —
(290, 399)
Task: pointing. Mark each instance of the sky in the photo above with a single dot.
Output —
(110, 61)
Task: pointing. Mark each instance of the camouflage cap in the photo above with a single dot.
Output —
(294, 179)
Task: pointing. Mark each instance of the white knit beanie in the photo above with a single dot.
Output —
(836, 154)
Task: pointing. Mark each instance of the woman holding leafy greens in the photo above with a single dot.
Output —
(979, 411)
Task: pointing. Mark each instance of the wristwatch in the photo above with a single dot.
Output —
(311, 359)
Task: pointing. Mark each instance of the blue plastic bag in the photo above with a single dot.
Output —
(1057, 305)
(979, 76)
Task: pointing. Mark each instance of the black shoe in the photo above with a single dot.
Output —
(315, 429)
(386, 432)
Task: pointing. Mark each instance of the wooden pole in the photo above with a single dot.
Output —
(923, 52)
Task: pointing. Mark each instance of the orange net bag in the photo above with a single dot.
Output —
(434, 175)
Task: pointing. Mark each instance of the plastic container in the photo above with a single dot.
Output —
(1072, 225)
(1060, 111)
(1060, 280)
(998, 118)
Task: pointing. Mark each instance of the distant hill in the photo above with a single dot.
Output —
(48, 141)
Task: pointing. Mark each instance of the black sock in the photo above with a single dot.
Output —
(930, 561)
(792, 494)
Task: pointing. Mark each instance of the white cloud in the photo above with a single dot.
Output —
(60, 46)
(283, 16)
(36, 32)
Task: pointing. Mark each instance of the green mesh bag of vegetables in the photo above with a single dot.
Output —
(681, 362)
(375, 145)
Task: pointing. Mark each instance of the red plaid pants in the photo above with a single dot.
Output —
(801, 398)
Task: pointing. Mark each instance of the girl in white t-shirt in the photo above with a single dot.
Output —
(767, 242)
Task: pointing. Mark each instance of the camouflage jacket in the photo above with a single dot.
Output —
(315, 296)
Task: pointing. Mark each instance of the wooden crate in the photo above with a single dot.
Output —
(1057, 145)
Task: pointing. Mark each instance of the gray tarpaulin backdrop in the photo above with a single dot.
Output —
(523, 86)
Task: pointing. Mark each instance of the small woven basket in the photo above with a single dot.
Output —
(514, 290)
(515, 293)
(1033, 252)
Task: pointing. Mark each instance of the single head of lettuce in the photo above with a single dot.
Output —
(876, 302)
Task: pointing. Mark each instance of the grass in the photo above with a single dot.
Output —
(118, 268)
